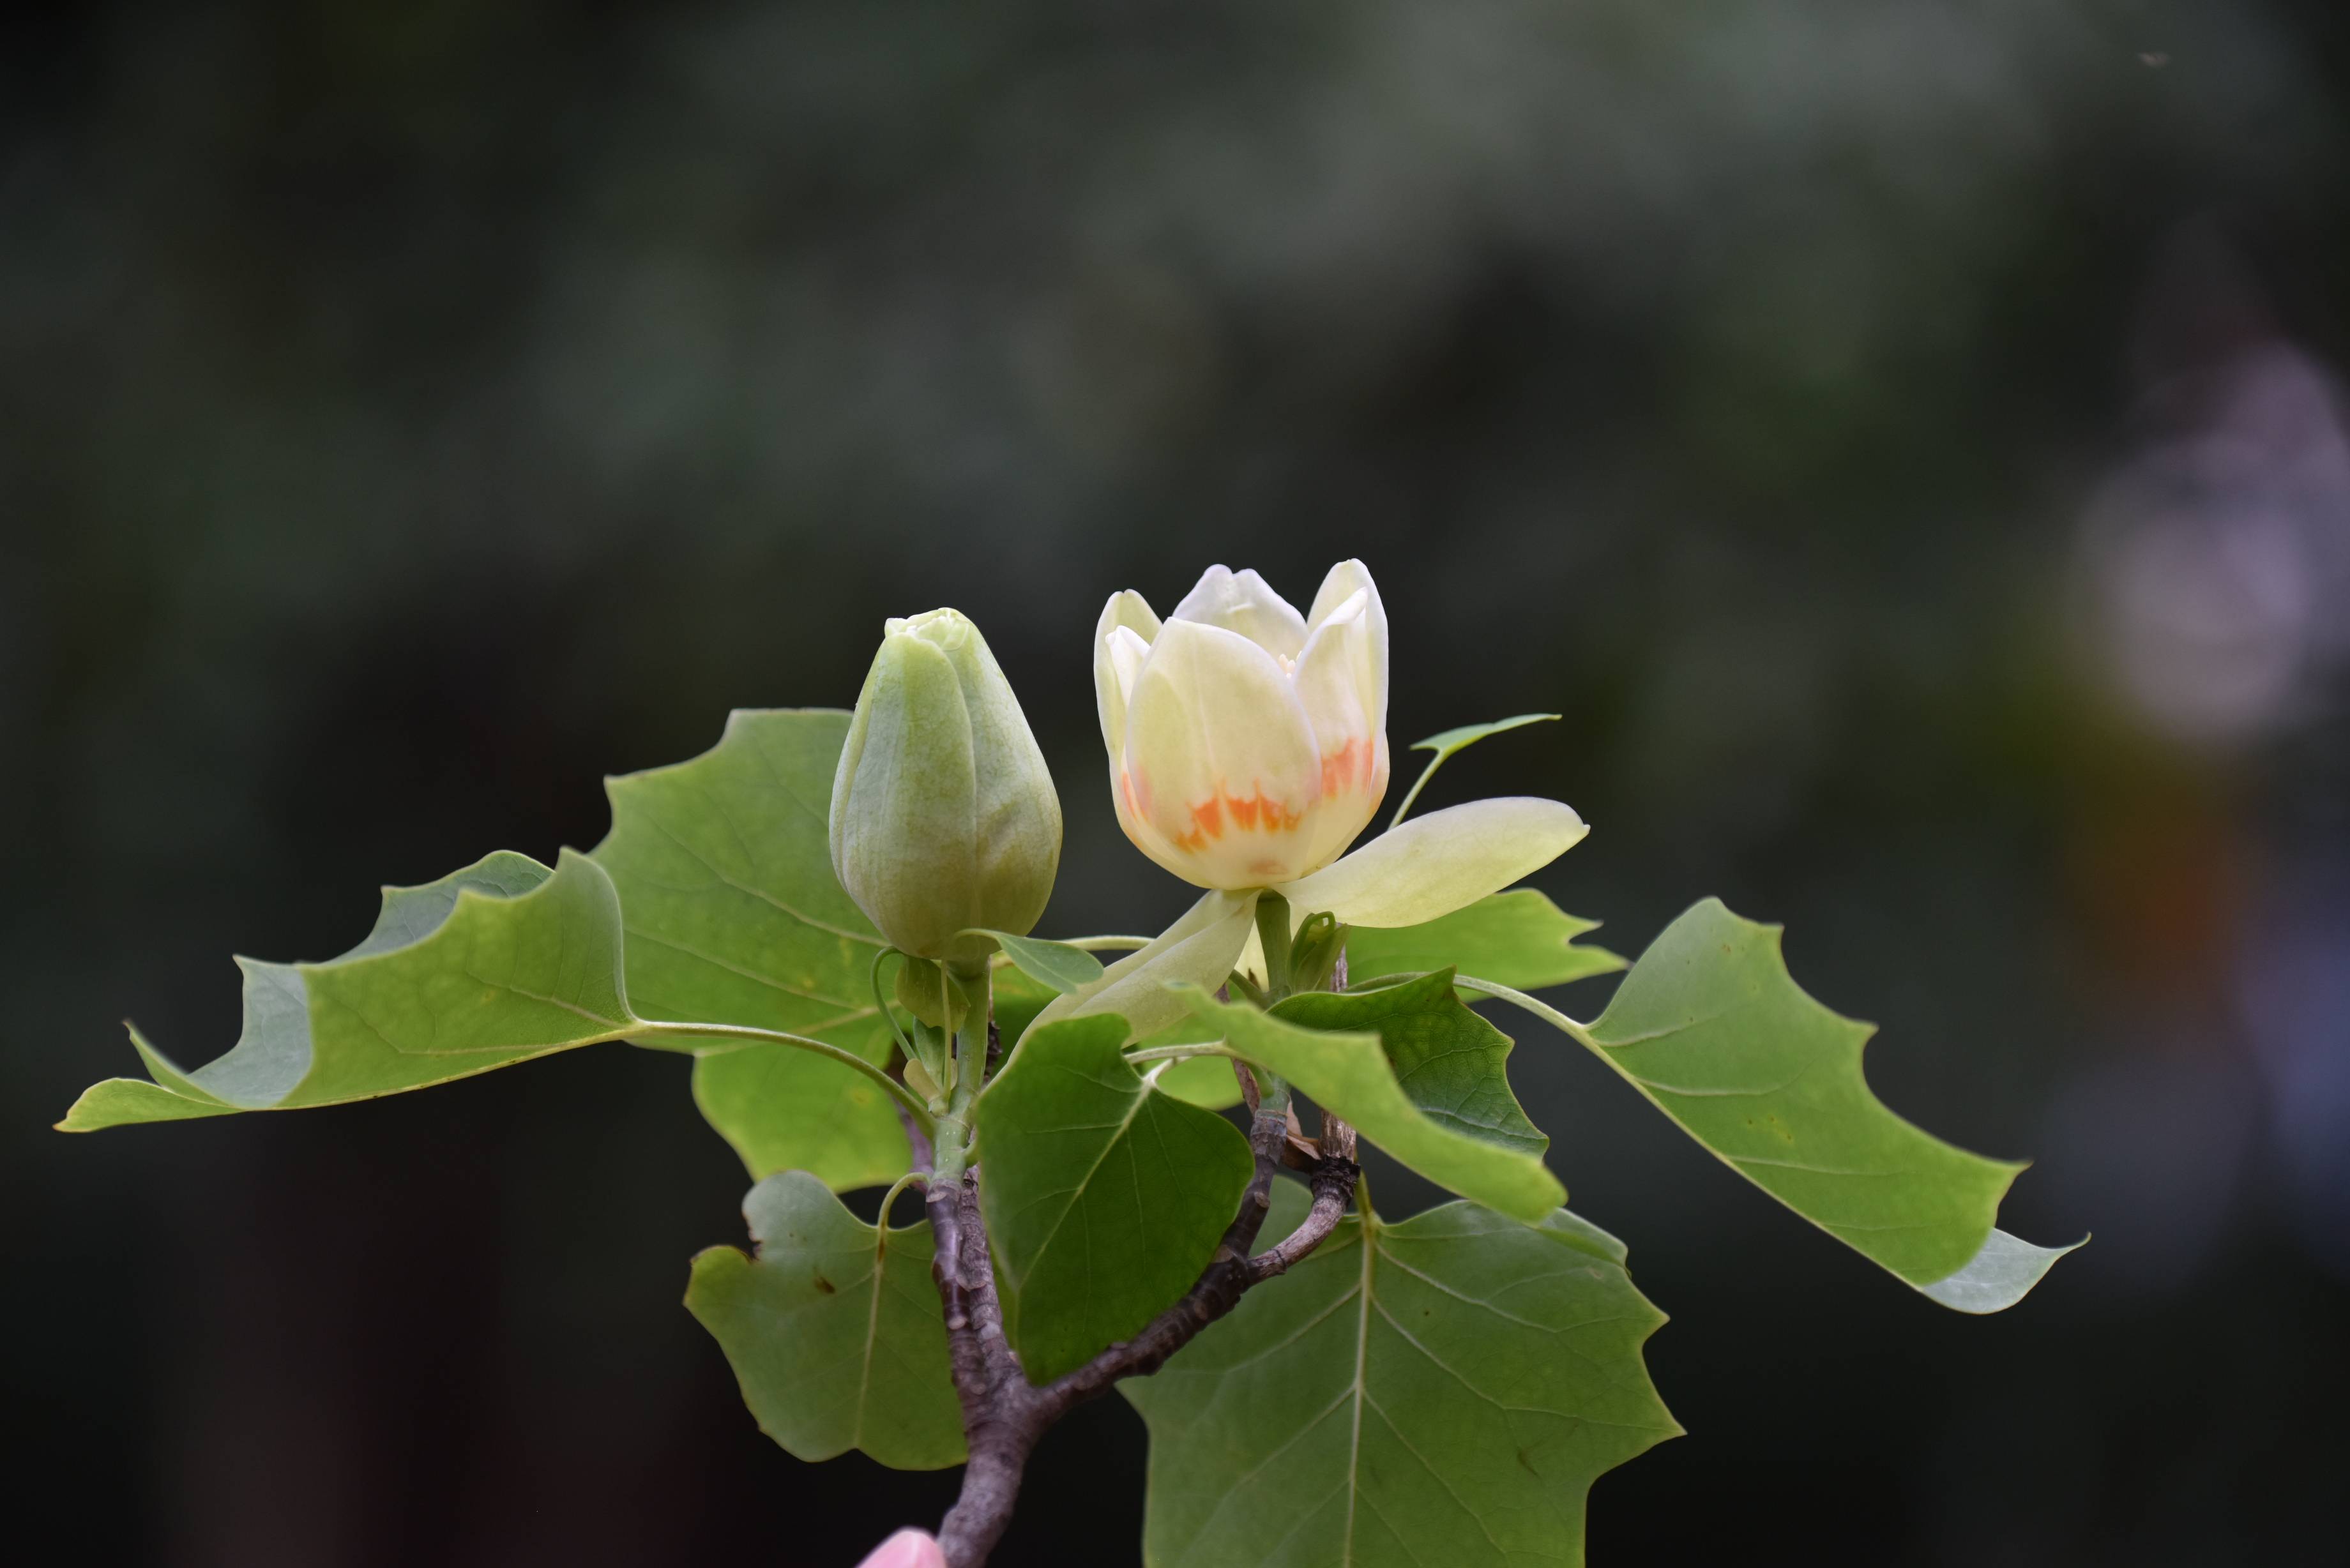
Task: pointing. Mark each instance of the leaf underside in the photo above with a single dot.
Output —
(493, 964)
(1103, 1198)
(1441, 1390)
(1710, 1027)
(832, 1330)
(725, 870)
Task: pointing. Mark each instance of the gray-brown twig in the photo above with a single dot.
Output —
(1004, 1414)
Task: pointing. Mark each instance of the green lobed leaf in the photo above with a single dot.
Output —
(1440, 1390)
(834, 1330)
(1518, 938)
(1710, 1026)
(723, 865)
(1450, 1063)
(786, 1110)
(1103, 1198)
(1349, 1073)
(496, 963)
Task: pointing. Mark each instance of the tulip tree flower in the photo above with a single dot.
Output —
(1247, 742)
(1248, 748)
(1439, 1389)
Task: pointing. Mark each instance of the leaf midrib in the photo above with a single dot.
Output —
(1362, 1364)
(872, 1328)
(1142, 1092)
(760, 894)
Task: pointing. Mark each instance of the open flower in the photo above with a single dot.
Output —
(1247, 748)
(1247, 742)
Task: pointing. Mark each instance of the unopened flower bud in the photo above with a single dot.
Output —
(944, 815)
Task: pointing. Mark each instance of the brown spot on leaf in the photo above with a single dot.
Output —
(825, 1285)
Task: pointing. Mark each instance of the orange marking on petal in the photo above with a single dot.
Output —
(1338, 769)
(1256, 812)
(1137, 789)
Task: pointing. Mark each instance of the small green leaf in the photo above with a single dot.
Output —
(931, 994)
(1103, 1198)
(1518, 938)
(493, 964)
(834, 1331)
(1056, 964)
(1443, 1390)
(1348, 1073)
(1710, 1025)
(725, 870)
(1445, 742)
(1314, 951)
(1450, 1062)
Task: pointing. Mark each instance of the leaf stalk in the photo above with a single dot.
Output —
(911, 1103)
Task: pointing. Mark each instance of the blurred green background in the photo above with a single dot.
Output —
(1902, 439)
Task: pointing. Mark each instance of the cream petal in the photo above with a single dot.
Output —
(1438, 863)
(1220, 760)
(1338, 680)
(1244, 603)
(1128, 654)
(1344, 580)
(1145, 836)
(1347, 811)
(1341, 674)
(1131, 612)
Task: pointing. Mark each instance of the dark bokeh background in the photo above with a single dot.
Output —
(1902, 439)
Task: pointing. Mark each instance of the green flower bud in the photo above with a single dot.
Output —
(944, 815)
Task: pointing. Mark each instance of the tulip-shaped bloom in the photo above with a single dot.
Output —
(1247, 748)
(944, 815)
(1247, 742)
